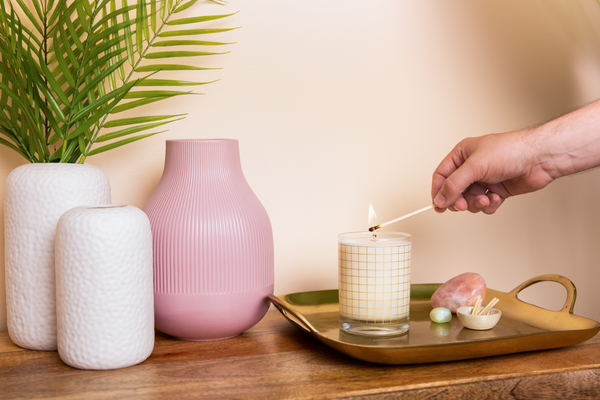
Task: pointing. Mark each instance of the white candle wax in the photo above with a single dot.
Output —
(374, 276)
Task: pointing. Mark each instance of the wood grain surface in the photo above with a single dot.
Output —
(274, 360)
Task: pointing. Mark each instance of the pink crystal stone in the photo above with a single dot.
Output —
(462, 290)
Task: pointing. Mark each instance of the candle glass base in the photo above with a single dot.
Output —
(383, 329)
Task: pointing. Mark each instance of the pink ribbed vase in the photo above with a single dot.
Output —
(213, 243)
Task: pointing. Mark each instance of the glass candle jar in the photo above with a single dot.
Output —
(374, 282)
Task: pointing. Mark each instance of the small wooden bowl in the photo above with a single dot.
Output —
(478, 322)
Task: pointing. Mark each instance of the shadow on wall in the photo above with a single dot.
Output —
(533, 42)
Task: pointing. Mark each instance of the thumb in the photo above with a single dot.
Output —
(453, 188)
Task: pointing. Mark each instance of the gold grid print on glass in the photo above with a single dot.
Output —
(374, 282)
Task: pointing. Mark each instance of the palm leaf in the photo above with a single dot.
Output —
(165, 43)
(93, 107)
(169, 67)
(139, 94)
(111, 17)
(139, 120)
(13, 147)
(54, 86)
(132, 130)
(185, 6)
(185, 21)
(137, 103)
(97, 80)
(27, 11)
(121, 143)
(171, 54)
(189, 32)
(170, 82)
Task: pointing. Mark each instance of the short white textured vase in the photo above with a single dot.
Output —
(36, 195)
(104, 291)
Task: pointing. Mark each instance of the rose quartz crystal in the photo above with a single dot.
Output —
(462, 290)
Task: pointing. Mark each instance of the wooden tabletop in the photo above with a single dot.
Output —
(275, 360)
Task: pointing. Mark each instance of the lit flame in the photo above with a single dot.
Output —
(372, 215)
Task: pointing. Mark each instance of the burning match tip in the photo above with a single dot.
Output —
(374, 228)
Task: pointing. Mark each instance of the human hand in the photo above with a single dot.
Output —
(481, 172)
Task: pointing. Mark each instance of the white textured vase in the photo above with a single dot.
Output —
(36, 195)
(104, 291)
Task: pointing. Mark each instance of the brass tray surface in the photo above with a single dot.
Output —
(523, 327)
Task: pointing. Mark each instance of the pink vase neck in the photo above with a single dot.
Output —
(203, 156)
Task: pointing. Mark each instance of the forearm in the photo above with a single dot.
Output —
(568, 144)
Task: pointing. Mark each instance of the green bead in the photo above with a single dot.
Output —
(440, 315)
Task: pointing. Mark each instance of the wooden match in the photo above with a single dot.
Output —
(476, 306)
(489, 306)
(374, 228)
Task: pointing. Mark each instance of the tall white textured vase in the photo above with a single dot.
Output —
(104, 291)
(36, 195)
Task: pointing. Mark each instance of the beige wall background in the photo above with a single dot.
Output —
(338, 104)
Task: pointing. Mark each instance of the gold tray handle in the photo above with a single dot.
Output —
(285, 310)
(570, 286)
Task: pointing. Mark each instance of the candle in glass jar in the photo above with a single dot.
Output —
(374, 278)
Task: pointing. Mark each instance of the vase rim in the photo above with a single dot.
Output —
(104, 206)
(201, 140)
(53, 163)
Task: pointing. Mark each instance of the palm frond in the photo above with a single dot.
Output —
(66, 66)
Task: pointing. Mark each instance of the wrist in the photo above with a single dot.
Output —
(567, 145)
(545, 152)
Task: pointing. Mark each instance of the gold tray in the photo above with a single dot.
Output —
(523, 327)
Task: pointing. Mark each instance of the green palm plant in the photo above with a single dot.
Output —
(66, 66)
